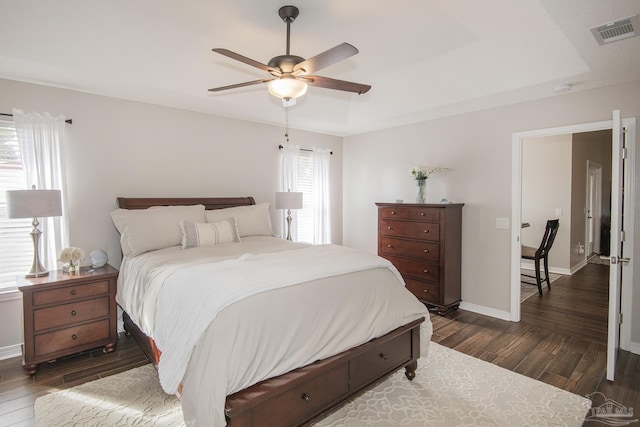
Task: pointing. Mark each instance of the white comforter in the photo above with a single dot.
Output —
(265, 325)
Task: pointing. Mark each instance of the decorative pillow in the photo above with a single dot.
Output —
(251, 220)
(143, 230)
(196, 234)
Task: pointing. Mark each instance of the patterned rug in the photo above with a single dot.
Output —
(450, 389)
(528, 285)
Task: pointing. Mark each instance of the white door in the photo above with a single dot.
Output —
(617, 256)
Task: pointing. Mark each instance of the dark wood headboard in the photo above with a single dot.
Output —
(208, 202)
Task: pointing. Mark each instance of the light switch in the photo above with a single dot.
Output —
(502, 223)
(558, 211)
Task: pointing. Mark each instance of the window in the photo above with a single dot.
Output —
(305, 185)
(16, 248)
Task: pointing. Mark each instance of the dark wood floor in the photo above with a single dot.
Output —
(561, 340)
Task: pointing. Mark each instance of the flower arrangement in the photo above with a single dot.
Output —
(423, 172)
(70, 258)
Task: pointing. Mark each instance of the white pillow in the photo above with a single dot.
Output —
(251, 220)
(196, 234)
(143, 230)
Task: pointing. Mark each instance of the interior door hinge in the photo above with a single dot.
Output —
(624, 153)
(620, 318)
(622, 235)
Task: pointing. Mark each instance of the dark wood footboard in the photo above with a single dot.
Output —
(312, 391)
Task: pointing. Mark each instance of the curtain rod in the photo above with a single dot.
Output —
(11, 115)
(280, 147)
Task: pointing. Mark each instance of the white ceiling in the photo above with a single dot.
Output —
(424, 58)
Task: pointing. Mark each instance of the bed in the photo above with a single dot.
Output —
(253, 330)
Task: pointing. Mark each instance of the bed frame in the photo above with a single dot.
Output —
(310, 392)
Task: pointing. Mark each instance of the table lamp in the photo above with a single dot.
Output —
(289, 200)
(34, 204)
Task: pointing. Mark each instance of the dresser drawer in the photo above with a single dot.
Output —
(410, 248)
(384, 358)
(71, 293)
(303, 401)
(417, 213)
(74, 336)
(415, 230)
(69, 314)
(421, 270)
(424, 291)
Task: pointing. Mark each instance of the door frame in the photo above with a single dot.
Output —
(516, 212)
(594, 195)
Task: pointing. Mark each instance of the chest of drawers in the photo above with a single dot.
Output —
(424, 242)
(68, 313)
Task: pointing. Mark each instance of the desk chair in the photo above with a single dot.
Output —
(542, 253)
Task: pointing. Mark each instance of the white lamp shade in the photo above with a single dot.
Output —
(287, 87)
(33, 203)
(289, 200)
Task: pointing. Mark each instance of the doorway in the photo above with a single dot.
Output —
(594, 211)
(518, 139)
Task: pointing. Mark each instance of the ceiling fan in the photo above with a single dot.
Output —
(290, 73)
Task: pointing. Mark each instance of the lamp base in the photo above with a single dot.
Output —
(37, 270)
(289, 224)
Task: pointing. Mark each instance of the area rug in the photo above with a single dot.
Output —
(450, 389)
(528, 285)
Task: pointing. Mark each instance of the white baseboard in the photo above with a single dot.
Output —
(14, 350)
(634, 347)
(480, 309)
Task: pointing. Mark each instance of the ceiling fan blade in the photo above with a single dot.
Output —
(328, 83)
(326, 58)
(237, 85)
(244, 59)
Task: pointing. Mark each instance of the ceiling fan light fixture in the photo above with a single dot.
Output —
(287, 87)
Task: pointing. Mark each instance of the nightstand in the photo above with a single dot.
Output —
(68, 313)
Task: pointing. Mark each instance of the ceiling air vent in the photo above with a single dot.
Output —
(618, 30)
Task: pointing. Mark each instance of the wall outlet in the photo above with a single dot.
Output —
(502, 223)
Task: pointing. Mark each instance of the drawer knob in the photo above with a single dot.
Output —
(389, 228)
(393, 212)
(384, 356)
(389, 246)
(306, 397)
(74, 336)
(73, 292)
(421, 213)
(426, 251)
(73, 312)
(426, 270)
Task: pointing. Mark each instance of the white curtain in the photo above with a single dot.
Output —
(289, 167)
(41, 139)
(321, 205)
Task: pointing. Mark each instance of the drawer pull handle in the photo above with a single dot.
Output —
(389, 228)
(73, 292)
(393, 212)
(426, 291)
(306, 397)
(73, 312)
(426, 251)
(421, 213)
(426, 270)
(384, 356)
(389, 246)
(426, 231)
(74, 336)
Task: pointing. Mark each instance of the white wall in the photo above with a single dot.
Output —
(546, 186)
(124, 148)
(477, 146)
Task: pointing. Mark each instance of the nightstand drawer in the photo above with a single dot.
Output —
(69, 314)
(415, 230)
(410, 248)
(416, 213)
(65, 339)
(421, 270)
(424, 291)
(70, 293)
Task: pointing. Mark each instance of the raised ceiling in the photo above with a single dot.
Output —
(424, 59)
